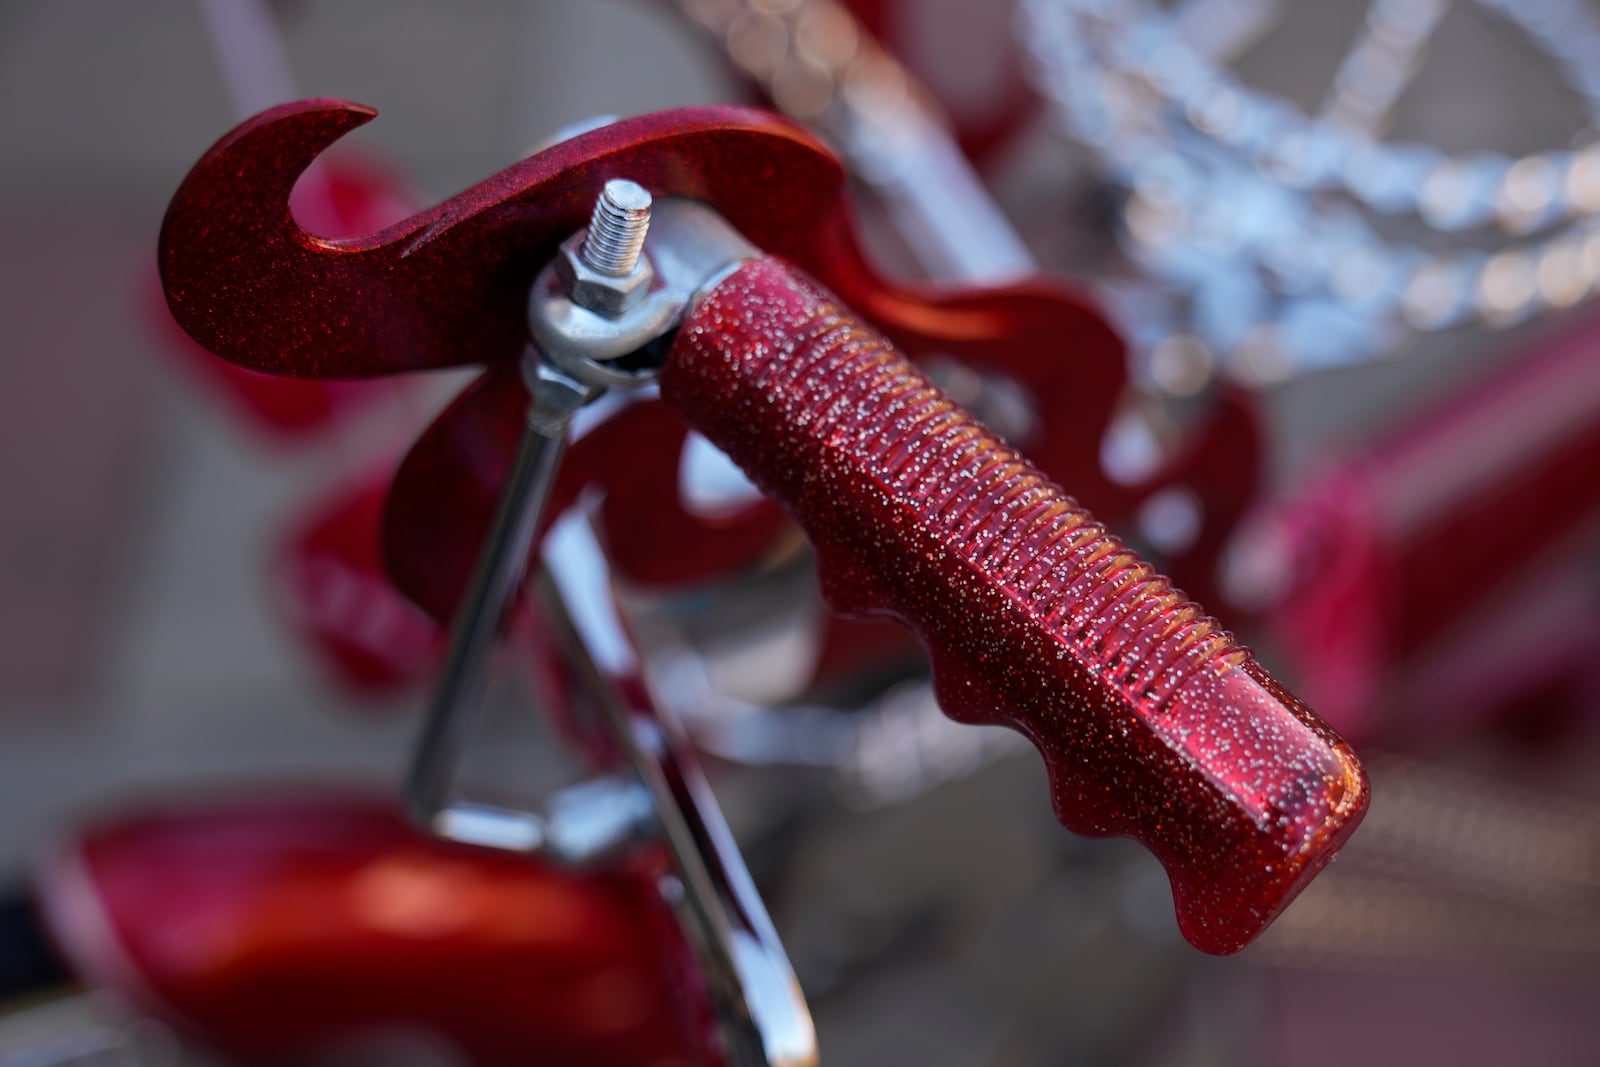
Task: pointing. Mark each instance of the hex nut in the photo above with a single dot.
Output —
(607, 294)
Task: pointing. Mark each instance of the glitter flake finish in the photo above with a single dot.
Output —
(449, 287)
(1152, 721)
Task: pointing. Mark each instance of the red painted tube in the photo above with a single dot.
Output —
(1433, 539)
(1152, 721)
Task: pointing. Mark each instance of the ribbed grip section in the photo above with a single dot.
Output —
(1152, 721)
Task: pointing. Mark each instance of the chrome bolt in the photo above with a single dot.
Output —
(605, 269)
(616, 229)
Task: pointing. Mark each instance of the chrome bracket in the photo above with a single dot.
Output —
(660, 794)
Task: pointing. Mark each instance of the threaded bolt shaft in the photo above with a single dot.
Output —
(617, 228)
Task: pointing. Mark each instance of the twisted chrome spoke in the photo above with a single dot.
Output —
(1224, 30)
(1270, 220)
(1382, 63)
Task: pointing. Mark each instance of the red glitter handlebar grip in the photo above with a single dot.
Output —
(1152, 721)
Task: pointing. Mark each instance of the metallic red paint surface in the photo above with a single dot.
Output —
(1417, 566)
(1153, 723)
(272, 929)
(1243, 807)
(449, 287)
(359, 197)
